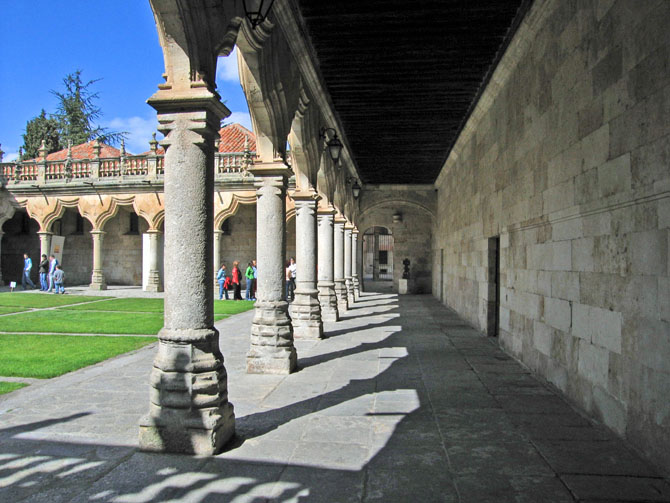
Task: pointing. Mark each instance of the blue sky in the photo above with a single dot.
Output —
(41, 41)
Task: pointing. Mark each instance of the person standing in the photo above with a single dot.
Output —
(249, 274)
(291, 272)
(59, 279)
(53, 262)
(222, 277)
(237, 277)
(44, 271)
(27, 266)
(253, 284)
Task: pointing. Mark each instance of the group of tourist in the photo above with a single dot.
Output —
(52, 276)
(234, 281)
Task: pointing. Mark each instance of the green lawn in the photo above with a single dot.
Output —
(138, 305)
(85, 322)
(7, 310)
(45, 356)
(42, 299)
(6, 387)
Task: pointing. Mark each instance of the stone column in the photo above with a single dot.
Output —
(305, 309)
(348, 279)
(326, 283)
(97, 277)
(354, 263)
(218, 234)
(272, 350)
(189, 410)
(338, 246)
(154, 280)
(45, 243)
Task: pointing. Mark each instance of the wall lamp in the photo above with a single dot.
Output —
(334, 145)
(257, 11)
(355, 187)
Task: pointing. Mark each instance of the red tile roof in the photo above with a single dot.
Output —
(83, 151)
(232, 138)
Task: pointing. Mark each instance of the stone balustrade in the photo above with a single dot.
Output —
(124, 168)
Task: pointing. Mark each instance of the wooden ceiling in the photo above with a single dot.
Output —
(404, 75)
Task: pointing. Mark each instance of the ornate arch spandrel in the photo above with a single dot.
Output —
(226, 204)
(151, 207)
(98, 209)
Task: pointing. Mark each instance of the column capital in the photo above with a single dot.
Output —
(305, 195)
(97, 232)
(327, 211)
(152, 231)
(270, 169)
(349, 226)
(340, 220)
(355, 231)
(197, 110)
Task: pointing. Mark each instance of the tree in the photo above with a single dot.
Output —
(77, 113)
(41, 128)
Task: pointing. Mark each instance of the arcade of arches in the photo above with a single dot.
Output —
(532, 198)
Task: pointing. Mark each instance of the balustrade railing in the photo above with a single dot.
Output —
(123, 168)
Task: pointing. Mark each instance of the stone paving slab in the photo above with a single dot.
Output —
(401, 402)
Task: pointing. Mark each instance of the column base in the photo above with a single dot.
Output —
(305, 313)
(328, 301)
(98, 281)
(341, 293)
(154, 283)
(272, 350)
(348, 282)
(357, 287)
(189, 411)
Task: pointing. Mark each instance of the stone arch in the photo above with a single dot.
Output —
(46, 210)
(396, 203)
(272, 85)
(226, 204)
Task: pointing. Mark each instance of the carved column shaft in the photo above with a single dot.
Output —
(326, 283)
(354, 263)
(218, 234)
(305, 309)
(98, 281)
(272, 350)
(189, 409)
(338, 246)
(348, 280)
(154, 281)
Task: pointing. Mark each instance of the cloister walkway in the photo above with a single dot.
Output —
(401, 402)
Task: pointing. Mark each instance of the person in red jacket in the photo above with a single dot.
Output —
(237, 276)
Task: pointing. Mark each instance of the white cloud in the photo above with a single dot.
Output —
(241, 118)
(138, 129)
(11, 153)
(226, 68)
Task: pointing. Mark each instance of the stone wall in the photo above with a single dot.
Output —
(77, 249)
(566, 158)
(411, 239)
(122, 250)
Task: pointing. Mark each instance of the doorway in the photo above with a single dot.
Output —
(493, 314)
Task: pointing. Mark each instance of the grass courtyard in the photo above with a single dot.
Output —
(38, 332)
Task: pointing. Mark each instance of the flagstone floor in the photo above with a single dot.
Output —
(401, 402)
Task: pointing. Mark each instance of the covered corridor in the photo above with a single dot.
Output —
(401, 401)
